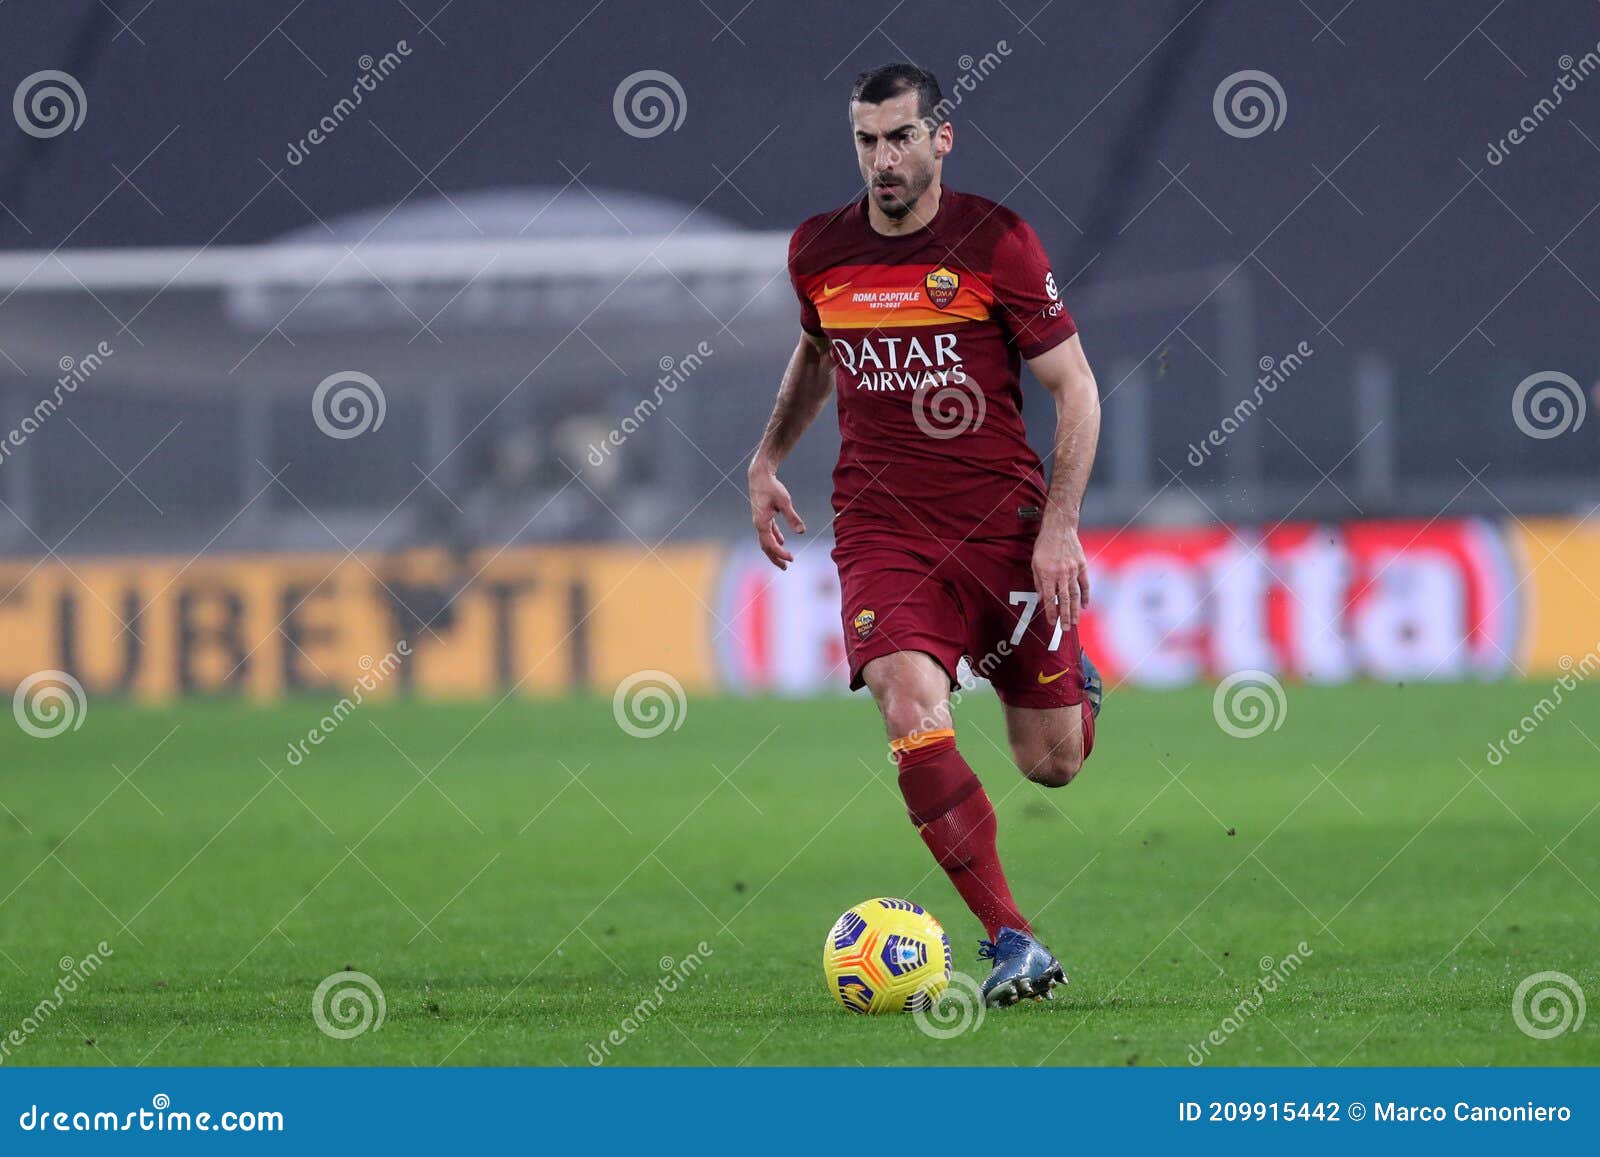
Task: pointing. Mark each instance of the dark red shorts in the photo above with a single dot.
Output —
(952, 599)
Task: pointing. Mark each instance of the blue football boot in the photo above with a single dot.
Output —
(1093, 689)
(1022, 967)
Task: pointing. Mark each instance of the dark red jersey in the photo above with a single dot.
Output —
(928, 331)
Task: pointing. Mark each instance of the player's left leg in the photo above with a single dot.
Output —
(1051, 743)
(1050, 694)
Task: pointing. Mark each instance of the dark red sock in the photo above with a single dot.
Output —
(956, 820)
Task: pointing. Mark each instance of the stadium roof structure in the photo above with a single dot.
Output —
(579, 277)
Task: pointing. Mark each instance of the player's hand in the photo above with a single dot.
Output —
(1060, 574)
(769, 499)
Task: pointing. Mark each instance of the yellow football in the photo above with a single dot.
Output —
(886, 955)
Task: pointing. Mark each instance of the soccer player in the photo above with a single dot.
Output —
(919, 303)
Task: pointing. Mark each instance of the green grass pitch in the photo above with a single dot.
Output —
(513, 879)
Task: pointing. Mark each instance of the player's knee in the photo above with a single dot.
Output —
(1058, 769)
(1057, 766)
(906, 715)
(906, 712)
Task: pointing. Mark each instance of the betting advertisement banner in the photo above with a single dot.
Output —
(1386, 600)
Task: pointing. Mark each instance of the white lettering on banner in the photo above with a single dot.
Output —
(1319, 574)
(1239, 585)
(782, 631)
(1157, 617)
(1407, 626)
(1387, 601)
(1322, 603)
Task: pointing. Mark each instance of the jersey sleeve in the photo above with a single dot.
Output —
(810, 321)
(1025, 289)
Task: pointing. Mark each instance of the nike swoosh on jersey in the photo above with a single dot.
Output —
(831, 291)
(1046, 679)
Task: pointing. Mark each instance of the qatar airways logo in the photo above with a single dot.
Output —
(878, 362)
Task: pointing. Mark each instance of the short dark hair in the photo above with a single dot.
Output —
(891, 80)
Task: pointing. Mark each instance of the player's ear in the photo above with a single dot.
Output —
(944, 139)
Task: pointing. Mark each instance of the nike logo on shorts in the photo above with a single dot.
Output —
(1047, 679)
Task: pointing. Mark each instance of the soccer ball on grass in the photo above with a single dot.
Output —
(886, 955)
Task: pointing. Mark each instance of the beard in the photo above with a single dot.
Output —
(905, 193)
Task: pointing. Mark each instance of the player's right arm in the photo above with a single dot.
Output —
(807, 382)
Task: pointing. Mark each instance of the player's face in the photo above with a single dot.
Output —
(897, 155)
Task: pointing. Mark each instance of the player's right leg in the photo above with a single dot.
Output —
(944, 798)
(904, 635)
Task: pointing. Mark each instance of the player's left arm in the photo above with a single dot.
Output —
(1060, 571)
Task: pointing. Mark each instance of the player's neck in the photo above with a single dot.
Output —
(921, 215)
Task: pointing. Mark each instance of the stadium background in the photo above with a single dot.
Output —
(526, 285)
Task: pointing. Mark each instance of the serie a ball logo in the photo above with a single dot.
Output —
(886, 955)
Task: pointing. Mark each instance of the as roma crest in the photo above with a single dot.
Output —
(942, 285)
(863, 623)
